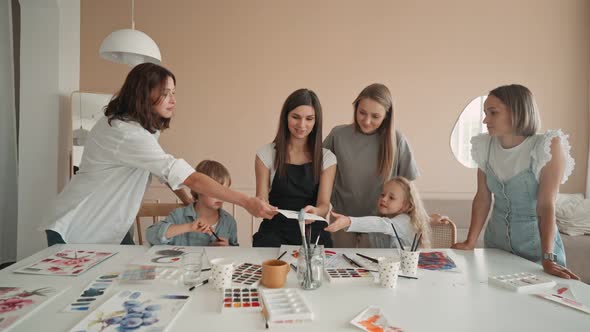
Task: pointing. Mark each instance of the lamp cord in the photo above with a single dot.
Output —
(133, 14)
(81, 111)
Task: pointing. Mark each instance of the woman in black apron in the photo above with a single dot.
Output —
(294, 172)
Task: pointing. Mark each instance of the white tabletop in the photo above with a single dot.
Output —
(436, 301)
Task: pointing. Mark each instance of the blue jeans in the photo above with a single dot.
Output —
(55, 238)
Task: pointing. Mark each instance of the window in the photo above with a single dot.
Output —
(469, 124)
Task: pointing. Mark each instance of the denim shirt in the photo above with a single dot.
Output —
(226, 228)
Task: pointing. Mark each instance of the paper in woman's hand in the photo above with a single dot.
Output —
(289, 214)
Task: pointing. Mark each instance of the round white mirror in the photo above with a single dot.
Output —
(469, 124)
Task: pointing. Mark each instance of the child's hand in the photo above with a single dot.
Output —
(200, 227)
(339, 222)
(437, 219)
(310, 209)
(222, 242)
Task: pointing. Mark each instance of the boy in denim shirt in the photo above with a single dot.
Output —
(192, 225)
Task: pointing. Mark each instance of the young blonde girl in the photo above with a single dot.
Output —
(400, 205)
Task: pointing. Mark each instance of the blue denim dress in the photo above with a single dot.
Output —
(513, 225)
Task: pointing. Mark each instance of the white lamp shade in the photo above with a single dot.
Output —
(80, 136)
(131, 47)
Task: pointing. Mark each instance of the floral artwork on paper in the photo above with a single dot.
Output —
(17, 302)
(67, 262)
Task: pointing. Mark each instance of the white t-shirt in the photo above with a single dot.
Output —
(534, 150)
(267, 153)
(101, 201)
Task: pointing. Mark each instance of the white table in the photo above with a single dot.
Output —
(437, 301)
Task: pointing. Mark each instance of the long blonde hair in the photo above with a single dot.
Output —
(415, 209)
(387, 140)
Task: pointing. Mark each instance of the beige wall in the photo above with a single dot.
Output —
(236, 61)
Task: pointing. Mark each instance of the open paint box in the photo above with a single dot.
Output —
(285, 305)
(240, 299)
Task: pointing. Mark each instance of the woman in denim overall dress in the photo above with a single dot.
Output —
(523, 171)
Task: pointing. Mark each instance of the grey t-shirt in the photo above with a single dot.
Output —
(358, 185)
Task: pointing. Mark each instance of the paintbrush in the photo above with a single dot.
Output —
(397, 237)
(418, 242)
(301, 219)
(217, 237)
(316, 242)
(197, 285)
(351, 261)
(367, 257)
(413, 242)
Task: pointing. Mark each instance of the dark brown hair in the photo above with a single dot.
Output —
(523, 109)
(301, 97)
(214, 170)
(387, 142)
(134, 102)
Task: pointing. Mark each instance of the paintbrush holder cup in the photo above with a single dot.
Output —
(388, 271)
(409, 264)
(310, 268)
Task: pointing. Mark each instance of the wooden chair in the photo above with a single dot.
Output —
(154, 211)
(444, 236)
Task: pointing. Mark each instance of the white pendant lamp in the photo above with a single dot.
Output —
(130, 46)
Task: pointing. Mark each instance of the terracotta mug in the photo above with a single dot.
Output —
(274, 273)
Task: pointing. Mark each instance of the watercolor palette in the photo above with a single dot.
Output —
(521, 282)
(247, 274)
(138, 273)
(349, 275)
(240, 299)
(165, 273)
(285, 305)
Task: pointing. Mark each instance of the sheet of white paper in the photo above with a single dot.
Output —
(563, 295)
(373, 319)
(295, 214)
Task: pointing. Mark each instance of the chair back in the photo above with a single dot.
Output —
(154, 211)
(444, 236)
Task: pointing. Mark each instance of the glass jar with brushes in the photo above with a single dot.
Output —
(310, 267)
(310, 261)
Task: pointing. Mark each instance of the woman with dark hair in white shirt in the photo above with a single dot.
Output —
(122, 151)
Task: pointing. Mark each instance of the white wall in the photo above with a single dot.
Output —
(8, 166)
(50, 71)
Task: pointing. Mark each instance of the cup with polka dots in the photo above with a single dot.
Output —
(222, 270)
(409, 262)
(388, 271)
